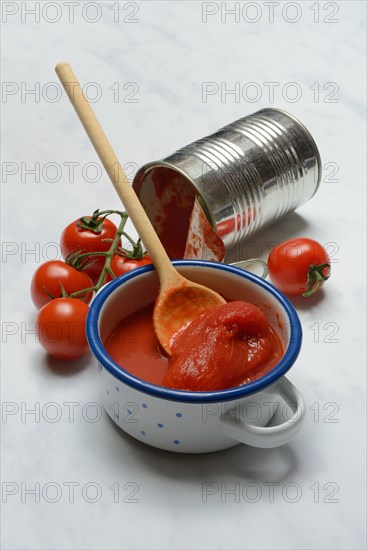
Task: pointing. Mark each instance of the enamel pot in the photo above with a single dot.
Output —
(198, 422)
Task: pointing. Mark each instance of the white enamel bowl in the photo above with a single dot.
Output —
(198, 422)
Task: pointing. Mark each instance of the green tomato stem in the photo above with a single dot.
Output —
(315, 279)
(137, 252)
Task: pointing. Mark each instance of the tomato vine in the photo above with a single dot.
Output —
(79, 259)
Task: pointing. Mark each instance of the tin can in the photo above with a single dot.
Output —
(245, 176)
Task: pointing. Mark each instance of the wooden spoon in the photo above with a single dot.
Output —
(180, 301)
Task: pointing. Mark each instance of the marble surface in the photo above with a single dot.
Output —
(145, 63)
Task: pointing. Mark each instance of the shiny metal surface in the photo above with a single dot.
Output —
(247, 174)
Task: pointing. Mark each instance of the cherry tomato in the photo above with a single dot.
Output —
(60, 327)
(86, 240)
(51, 275)
(121, 264)
(299, 266)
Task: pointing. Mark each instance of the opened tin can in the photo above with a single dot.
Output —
(245, 176)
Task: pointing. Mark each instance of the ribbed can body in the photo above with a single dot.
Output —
(247, 174)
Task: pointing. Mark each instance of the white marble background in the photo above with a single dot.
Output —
(168, 53)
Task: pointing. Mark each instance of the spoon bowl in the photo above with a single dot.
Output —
(177, 306)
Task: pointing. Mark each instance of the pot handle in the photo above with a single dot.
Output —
(272, 436)
(253, 261)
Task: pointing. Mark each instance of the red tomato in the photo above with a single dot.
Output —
(60, 327)
(299, 266)
(51, 275)
(86, 240)
(121, 264)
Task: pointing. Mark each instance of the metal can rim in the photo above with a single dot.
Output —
(143, 170)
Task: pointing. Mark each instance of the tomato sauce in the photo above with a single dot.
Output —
(222, 351)
(172, 205)
(175, 203)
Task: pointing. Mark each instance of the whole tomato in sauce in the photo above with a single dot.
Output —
(222, 348)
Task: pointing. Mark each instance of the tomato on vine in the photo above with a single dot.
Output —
(54, 279)
(60, 327)
(93, 254)
(89, 234)
(299, 266)
(123, 264)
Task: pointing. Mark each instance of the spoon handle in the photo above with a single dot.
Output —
(157, 253)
